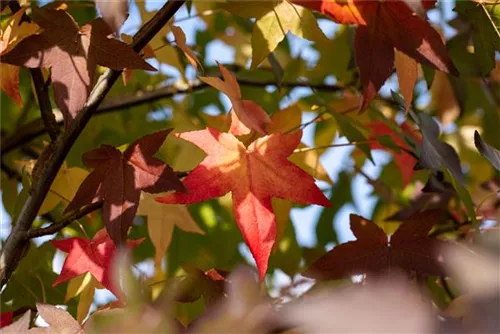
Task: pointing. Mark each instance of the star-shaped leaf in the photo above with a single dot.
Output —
(90, 256)
(386, 26)
(161, 221)
(253, 175)
(118, 179)
(72, 53)
(409, 248)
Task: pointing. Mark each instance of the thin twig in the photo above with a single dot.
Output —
(67, 220)
(11, 253)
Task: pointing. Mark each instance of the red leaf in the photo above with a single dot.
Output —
(6, 318)
(383, 26)
(118, 179)
(94, 256)
(253, 175)
(409, 248)
(72, 54)
(403, 160)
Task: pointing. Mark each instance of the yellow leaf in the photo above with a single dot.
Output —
(63, 188)
(270, 29)
(15, 31)
(161, 221)
(84, 286)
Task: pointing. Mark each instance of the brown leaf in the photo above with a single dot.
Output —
(118, 179)
(409, 248)
(114, 12)
(72, 54)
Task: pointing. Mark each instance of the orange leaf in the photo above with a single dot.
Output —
(253, 175)
(407, 70)
(251, 115)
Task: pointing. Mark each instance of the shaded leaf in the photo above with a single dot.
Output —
(118, 179)
(409, 248)
(487, 151)
(72, 54)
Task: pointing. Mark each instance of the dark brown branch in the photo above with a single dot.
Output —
(41, 90)
(36, 128)
(68, 219)
(10, 254)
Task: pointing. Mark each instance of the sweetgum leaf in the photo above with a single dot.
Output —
(253, 175)
(383, 27)
(72, 54)
(90, 256)
(118, 179)
(409, 248)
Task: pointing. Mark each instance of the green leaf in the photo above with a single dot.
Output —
(270, 29)
(484, 20)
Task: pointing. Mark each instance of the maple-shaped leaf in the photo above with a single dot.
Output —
(403, 159)
(72, 54)
(251, 115)
(90, 256)
(161, 221)
(253, 175)
(383, 27)
(118, 179)
(12, 33)
(409, 248)
(59, 321)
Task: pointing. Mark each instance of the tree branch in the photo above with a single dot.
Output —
(68, 219)
(11, 252)
(41, 89)
(36, 128)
